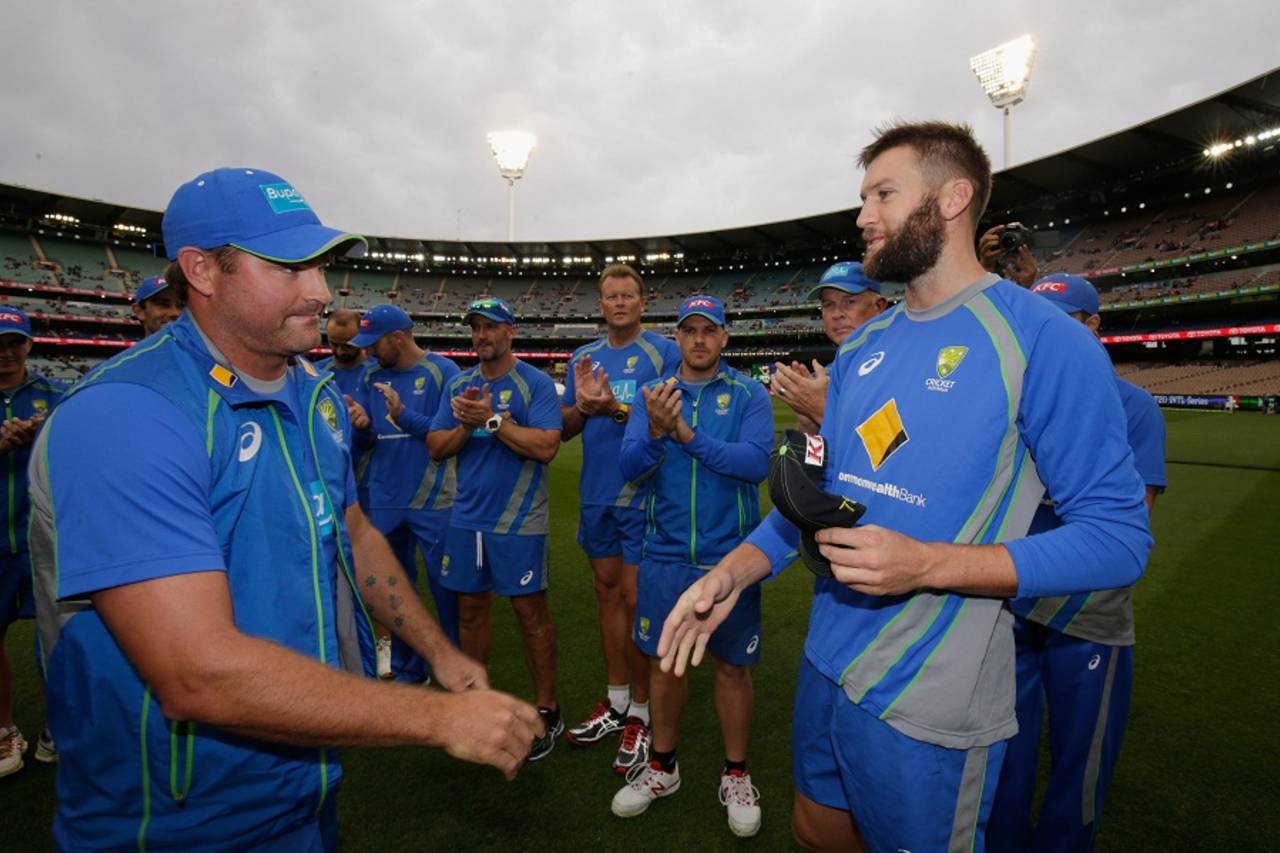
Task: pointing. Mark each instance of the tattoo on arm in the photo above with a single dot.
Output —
(399, 622)
(395, 601)
(392, 580)
(370, 580)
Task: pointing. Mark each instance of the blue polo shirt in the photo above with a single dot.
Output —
(35, 395)
(346, 378)
(948, 424)
(629, 367)
(500, 491)
(205, 472)
(400, 473)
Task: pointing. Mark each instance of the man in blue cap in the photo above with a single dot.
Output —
(154, 304)
(1074, 653)
(410, 494)
(848, 299)
(28, 399)
(701, 436)
(208, 623)
(501, 419)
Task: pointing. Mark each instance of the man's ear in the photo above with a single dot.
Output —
(954, 198)
(1094, 322)
(198, 268)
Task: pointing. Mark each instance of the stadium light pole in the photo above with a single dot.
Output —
(1003, 72)
(511, 148)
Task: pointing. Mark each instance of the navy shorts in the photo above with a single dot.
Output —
(607, 531)
(736, 641)
(16, 598)
(903, 793)
(507, 563)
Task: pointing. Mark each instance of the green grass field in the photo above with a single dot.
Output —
(1197, 771)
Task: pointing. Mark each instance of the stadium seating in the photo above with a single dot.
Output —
(18, 260)
(1261, 377)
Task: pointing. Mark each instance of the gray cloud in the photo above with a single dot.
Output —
(652, 118)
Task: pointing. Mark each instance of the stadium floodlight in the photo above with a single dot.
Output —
(1003, 72)
(511, 148)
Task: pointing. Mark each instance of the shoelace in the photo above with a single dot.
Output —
(740, 789)
(601, 710)
(630, 735)
(644, 776)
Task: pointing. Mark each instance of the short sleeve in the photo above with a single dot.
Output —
(544, 408)
(135, 513)
(570, 395)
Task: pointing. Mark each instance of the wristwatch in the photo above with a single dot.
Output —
(493, 424)
(621, 415)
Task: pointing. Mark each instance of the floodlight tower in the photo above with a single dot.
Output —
(511, 148)
(1003, 73)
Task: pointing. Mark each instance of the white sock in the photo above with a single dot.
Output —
(640, 710)
(619, 697)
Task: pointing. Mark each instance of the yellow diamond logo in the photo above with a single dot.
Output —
(882, 434)
(949, 359)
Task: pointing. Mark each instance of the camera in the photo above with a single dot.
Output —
(1014, 236)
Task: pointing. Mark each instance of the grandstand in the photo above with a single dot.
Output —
(1184, 249)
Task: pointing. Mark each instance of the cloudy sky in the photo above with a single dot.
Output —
(652, 118)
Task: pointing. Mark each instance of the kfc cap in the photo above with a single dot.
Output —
(1071, 293)
(703, 306)
(378, 321)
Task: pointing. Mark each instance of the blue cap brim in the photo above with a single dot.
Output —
(143, 294)
(364, 340)
(718, 321)
(14, 332)
(303, 243)
(494, 316)
(847, 288)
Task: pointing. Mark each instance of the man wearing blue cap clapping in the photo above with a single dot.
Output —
(501, 419)
(203, 571)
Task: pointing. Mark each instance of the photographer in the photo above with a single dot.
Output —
(1004, 250)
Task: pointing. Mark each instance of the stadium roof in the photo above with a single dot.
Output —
(1152, 157)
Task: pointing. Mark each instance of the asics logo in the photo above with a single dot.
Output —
(1094, 661)
(250, 441)
(871, 363)
(754, 644)
(526, 577)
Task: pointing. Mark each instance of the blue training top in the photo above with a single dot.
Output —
(944, 423)
(35, 395)
(705, 494)
(500, 491)
(204, 474)
(1104, 616)
(629, 367)
(400, 473)
(346, 378)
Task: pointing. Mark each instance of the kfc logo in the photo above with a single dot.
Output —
(1050, 287)
(701, 303)
(364, 324)
(9, 317)
(815, 450)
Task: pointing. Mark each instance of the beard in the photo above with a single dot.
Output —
(913, 249)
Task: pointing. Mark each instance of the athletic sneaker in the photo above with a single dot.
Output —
(742, 801)
(602, 722)
(46, 749)
(384, 659)
(645, 783)
(12, 746)
(633, 746)
(555, 725)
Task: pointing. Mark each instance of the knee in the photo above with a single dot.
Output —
(472, 611)
(731, 674)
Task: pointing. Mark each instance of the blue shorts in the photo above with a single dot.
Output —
(16, 598)
(736, 641)
(507, 563)
(903, 793)
(607, 531)
(1087, 686)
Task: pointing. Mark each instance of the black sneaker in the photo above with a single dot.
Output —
(602, 722)
(542, 746)
(633, 746)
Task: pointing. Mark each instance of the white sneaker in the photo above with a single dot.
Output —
(645, 783)
(742, 800)
(12, 746)
(384, 658)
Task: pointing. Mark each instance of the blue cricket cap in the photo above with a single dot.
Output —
(846, 276)
(1071, 293)
(149, 288)
(493, 308)
(703, 306)
(14, 321)
(254, 211)
(378, 321)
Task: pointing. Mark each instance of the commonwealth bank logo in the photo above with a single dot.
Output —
(882, 434)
